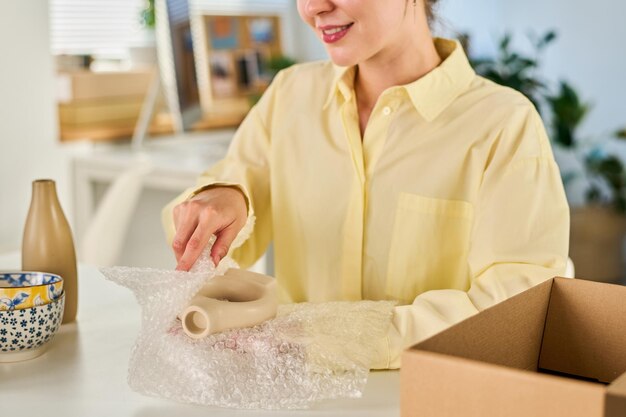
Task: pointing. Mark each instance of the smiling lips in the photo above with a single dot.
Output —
(331, 34)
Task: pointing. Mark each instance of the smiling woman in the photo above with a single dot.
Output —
(391, 172)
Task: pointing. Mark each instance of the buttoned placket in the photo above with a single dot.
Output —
(365, 153)
(378, 129)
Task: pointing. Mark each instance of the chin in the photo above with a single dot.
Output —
(341, 58)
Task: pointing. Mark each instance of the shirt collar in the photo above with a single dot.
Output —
(343, 82)
(430, 94)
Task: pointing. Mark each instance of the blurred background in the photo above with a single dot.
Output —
(124, 102)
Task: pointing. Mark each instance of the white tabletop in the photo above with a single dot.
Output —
(84, 371)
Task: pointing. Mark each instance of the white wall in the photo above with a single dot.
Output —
(589, 52)
(307, 45)
(482, 18)
(28, 131)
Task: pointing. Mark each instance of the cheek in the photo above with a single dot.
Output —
(370, 37)
(384, 30)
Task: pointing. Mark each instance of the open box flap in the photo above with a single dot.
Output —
(585, 330)
(506, 334)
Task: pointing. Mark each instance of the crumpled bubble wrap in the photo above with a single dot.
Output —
(309, 352)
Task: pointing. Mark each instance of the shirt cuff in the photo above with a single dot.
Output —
(234, 185)
(381, 347)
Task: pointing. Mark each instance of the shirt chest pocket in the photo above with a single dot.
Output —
(429, 246)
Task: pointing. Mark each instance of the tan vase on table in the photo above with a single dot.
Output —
(596, 240)
(47, 245)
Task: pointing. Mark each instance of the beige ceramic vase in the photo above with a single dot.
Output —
(48, 246)
(236, 299)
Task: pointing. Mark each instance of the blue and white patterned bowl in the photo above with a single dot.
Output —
(25, 289)
(24, 334)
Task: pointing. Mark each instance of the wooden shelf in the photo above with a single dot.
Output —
(108, 132)
(218, 122)
(104, 106)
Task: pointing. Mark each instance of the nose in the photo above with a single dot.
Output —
(312, 8)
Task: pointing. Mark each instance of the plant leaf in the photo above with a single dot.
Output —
(621, 134)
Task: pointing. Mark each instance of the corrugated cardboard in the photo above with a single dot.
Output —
(549, 351)
(87, 112)
(88, 85)
(103, 105)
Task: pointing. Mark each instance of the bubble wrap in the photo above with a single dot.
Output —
(309, 352)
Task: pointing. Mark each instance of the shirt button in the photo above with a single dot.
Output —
(387, 110)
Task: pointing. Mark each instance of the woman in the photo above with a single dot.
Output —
(394, 172)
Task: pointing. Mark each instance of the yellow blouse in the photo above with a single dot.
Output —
(451, 203)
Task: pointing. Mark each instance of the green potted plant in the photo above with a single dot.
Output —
(279, 62)
(273, 66)
(597, 228)
(147, 16)
(516, 70)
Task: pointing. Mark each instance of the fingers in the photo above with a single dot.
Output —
(196, 244)
(221, 211)
(183, 232)
(222, 243)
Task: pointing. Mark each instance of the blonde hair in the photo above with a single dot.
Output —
(430, 10)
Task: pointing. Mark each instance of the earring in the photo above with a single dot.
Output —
(414, 8)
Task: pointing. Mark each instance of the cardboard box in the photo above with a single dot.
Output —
(88, 85)
(555, 350)
(96, 111)
(104, 106)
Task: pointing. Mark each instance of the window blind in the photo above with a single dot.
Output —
(97, 27)
(108, 27)
(239, 6)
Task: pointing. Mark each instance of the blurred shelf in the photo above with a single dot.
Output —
(108, 133)
(218, 121)
(105, 106)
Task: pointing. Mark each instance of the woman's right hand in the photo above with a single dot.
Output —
(219, 211)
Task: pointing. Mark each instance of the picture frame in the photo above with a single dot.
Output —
(224, 32)
(223, 74)
(232, 62)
